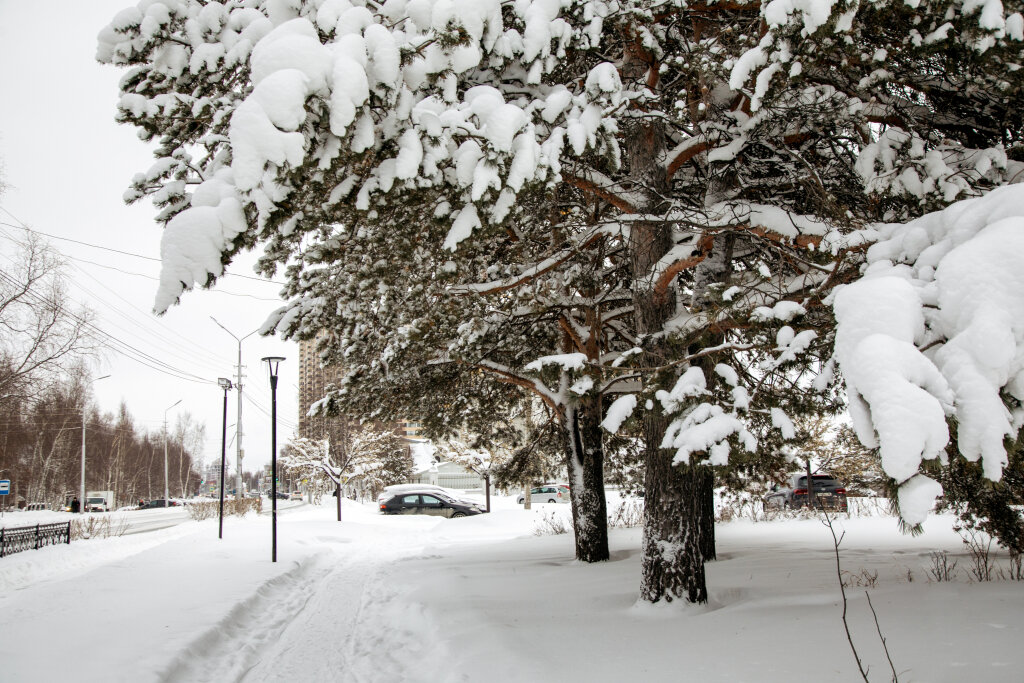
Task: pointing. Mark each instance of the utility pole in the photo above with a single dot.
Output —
(85, 406)
(167, 497)
(239, 453)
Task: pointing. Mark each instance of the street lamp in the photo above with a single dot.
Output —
(225, 384)
(167, 495)
(272, 363)
(81, 493)
(238, 423)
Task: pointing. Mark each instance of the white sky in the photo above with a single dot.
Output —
(66, 164)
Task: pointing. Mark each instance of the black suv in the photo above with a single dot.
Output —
(829, 494)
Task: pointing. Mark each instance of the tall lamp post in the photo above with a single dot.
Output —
(272, 363)
(81, 493)
(167, 495)
(225, 384)
(239, 453)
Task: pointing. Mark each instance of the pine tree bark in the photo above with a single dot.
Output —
(673, 561)
(678, 533)
(585, 463)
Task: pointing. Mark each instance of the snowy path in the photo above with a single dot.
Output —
(334, 617)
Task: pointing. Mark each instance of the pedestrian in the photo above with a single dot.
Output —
(75, 505)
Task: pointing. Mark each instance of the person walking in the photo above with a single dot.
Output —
(75, 505)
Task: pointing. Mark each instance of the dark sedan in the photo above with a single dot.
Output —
(159, 503)
(828, 493)
(433, 503)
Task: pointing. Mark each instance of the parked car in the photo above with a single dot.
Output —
(158, 503)
(829, 493)
(295, 495)
(390, 491)
(31, 507)
(427, 503)
(550, 493)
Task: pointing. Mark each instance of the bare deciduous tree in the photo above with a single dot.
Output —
(41, 336)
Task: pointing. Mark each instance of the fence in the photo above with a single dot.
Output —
(16, 539)
(449, 480)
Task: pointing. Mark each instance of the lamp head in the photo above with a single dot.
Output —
(224, 383)
(272, 363)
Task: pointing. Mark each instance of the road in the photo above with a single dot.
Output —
(142, 521)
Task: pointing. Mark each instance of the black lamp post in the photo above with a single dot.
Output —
(225, 384)
(272, 363)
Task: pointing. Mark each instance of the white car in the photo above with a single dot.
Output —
(547, 494)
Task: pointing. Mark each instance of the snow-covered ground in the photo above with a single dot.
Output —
(429, 600)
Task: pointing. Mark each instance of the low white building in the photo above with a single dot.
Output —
(426, 470)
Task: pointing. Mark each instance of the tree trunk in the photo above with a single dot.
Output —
(673, 563)
(585, 462)
(706, 514)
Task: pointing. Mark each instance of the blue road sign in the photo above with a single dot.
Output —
(5, 487)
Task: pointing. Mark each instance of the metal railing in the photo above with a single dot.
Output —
(15, 539)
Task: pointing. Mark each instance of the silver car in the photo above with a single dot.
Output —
(552, 493)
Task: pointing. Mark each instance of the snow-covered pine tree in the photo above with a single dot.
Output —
(928, 91)
(291, 118)
(362, 116)
(336, 132)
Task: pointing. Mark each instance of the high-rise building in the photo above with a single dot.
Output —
(314, 378)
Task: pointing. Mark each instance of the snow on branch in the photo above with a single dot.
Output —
(933, 330)
(537, 270)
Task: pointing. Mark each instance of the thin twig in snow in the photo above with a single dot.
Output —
(878, 628)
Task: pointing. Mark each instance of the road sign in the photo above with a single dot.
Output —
(5, 487)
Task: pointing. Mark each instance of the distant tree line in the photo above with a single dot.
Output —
(46, 346)
(41, 449)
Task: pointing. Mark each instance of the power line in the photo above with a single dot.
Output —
(266, 413)
(156, 279)
(124, 348)
(212, 361)
(20, 224)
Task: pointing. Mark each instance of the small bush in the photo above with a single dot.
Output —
(97, 526)
(862, 579)
(237, 506)
(1016, 571)
(979, 545)
(627, 514)
(942, 569)
(552, 524)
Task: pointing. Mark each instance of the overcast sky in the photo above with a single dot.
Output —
(66, 164)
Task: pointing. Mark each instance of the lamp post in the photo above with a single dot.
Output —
(238, 423)
(81, 493)
(167, 495)
(225, 384)
(272, 363)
